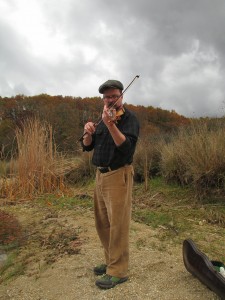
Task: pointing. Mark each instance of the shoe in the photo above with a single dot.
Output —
(108, 281)
(198, 264)
(100, 269)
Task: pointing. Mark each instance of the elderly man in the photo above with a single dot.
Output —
(114, 141)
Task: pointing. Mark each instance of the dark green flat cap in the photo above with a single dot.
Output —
(115, 84)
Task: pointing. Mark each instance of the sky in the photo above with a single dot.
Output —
(70, 47)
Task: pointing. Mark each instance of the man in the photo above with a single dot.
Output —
(114, 141)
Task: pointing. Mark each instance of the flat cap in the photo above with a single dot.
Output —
(115, 84)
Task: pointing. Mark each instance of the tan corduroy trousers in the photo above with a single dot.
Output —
(112, 203)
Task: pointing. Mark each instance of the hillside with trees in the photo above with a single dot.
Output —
(67, 115)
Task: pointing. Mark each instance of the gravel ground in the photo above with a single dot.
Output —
(153, 273)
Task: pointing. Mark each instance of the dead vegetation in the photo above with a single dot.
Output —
(37, 167)
(43, 239)
(10, 229)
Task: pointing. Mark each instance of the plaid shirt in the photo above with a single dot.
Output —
(106, 153)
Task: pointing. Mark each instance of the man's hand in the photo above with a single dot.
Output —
(108, 116)
(89, 128)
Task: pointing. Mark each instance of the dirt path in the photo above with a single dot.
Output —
(155, 273)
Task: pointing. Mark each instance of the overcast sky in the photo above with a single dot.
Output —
(70, 47)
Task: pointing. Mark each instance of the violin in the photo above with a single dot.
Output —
(115, 115)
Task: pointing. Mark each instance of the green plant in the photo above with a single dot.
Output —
(11, 268)
(153, 218)
(82, 200)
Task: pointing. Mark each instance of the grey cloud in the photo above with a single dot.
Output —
(20, 72)
(177, 47)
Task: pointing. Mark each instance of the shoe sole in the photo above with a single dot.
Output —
(198, 264)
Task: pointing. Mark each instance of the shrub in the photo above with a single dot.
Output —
(147, 158)
(10, 229)
(4, 168)
(83, 171)
(196, 156)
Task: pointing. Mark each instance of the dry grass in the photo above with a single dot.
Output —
(84, 170)
(146, 159)
(196, 157)
(38, 168)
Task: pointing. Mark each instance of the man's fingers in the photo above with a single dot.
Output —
(89, 128)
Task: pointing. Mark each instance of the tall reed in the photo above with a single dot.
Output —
(38, 168)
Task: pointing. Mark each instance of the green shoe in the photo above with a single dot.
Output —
(108, 282)
(100, 269)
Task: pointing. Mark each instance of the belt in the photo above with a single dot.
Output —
(105, 169)
(108, 169)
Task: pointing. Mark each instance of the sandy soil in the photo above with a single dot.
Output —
(154, 273)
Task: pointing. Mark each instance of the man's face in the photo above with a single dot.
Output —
(111, 96)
